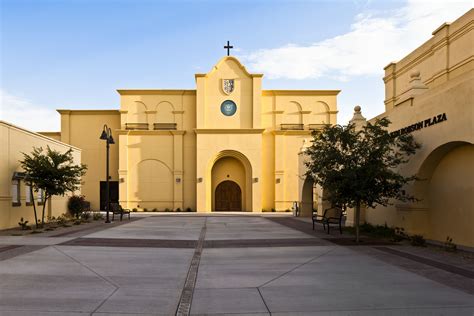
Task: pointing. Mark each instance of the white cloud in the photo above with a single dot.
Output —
(22, 112)
(375, 39)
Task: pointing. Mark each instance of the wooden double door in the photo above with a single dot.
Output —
(228, 197)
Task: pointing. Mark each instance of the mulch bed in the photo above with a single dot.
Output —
(335, 237)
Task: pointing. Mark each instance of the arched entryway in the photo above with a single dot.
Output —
(445, 188)
(233, 169)
(228, 197)
(309, 198)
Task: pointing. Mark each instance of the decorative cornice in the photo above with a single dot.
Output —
(150, 132)
(225, 58)
(299, 92)
(229, 131)
(292, 132)
(88, 112)
(38, 135)
(156, 92)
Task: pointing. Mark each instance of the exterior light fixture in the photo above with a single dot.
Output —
(107, 136)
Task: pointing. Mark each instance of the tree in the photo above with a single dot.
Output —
(360, 167)
(52, 172)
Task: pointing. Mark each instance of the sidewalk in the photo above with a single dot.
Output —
(250, 265)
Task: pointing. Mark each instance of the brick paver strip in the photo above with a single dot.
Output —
(123, 242)
(243, 243)
(17, 250)
(184, 305)
(92, 229)
(433, 263)
(8, 247)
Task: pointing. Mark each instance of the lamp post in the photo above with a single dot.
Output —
(107, 136)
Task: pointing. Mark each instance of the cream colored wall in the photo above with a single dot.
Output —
(13, 142)
(442, 163)
(443, 57)
(82, 129)
(310, 108)
(53, 135)
(452, 180)
(246, 95)
(157, 167)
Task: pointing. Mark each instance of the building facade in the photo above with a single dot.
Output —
(430, 94)
(16, 201)
(228, 145)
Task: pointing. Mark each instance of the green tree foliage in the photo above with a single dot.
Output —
(359, 167)
(52, 172)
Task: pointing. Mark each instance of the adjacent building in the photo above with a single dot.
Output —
(430, 94)
(16, 199)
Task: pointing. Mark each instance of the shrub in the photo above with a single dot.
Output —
(134, 210)
(97, 216)
(287, 210)
(189, 209)
(86, 216)
(417, 241)
(62, 220)
(449, 245)
(145, 210)
(167, 210)
(178, 210)
(75, 205)
(155, 210)
(77, 222)
(273, 210)
(23, 224)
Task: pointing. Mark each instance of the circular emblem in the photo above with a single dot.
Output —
(228, 108)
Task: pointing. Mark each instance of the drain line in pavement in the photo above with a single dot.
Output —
(184, 306)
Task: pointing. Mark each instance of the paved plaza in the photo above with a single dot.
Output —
(215, 265)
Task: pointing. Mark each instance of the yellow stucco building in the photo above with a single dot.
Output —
(430, 94)
(15, 198)
(228, 145)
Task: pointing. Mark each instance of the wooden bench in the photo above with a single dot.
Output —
(331, 216)
(117, 209)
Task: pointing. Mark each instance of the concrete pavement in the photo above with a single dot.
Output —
(144, 274)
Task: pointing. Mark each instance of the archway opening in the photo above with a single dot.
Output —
(309, 198)
(446, 182)
(228, 197)
(230, 169)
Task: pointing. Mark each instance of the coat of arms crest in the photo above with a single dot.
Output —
(228, 86)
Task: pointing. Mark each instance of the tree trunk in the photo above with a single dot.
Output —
(44, 206)
(34, 206)
(357, 220)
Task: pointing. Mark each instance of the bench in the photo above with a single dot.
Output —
(331, 216)
(117, 209)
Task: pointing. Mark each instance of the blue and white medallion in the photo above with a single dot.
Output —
(228, 108)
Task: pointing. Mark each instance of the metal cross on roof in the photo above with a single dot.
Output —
(228, 47)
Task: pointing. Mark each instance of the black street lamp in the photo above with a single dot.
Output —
(107, 136)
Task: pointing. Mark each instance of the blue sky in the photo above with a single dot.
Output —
(76, 53)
